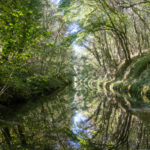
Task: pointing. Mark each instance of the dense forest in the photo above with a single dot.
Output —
(74, 74)
(36, 51)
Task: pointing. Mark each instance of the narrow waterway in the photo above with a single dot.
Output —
(71, 119)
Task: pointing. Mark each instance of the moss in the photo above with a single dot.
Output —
(140, 66)
(122, 70)
(133, 77)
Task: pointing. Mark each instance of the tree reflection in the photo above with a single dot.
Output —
(44, 125)
(5, 132)
(84, 120)
(113, 125)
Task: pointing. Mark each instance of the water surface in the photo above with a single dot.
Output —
(70, 120)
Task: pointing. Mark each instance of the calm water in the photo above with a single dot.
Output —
(84, 120)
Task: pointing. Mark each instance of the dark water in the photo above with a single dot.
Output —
(84, 120)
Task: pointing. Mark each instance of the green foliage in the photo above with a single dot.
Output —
(43, 83)
(64, 3)
(35, 52)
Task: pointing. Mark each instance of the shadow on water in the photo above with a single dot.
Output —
(84, 120)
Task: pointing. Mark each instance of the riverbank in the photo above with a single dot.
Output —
(133, 77)
(31, 90)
